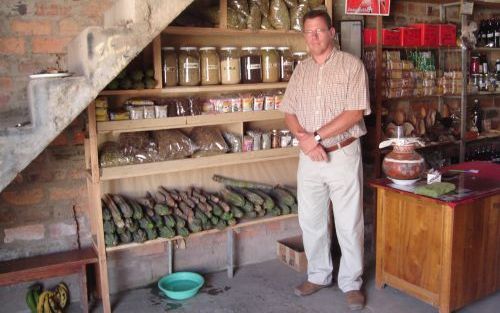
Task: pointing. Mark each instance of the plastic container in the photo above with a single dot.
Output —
(230, 65)
(169, 67)
(286, 63)
(181, 285)
(189, 66)
(251, 67)
(210, 66)
(270, 65)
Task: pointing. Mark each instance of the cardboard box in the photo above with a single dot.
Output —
(429, 34)
(447, 35)
(410, 36)
(291, 252)
(390, 37)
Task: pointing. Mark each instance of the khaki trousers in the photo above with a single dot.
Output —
(341, 181)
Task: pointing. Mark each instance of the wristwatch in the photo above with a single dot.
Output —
(317, 137)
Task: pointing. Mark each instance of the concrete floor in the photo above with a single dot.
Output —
(268, 288)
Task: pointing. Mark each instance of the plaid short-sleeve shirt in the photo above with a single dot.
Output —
(317, 93)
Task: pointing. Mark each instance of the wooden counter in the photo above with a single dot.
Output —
(443, 251)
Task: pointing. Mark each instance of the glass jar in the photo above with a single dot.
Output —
(210, 66)
(169, 67)
(298, 57)
(251, 68)
(286, 63)
(230, 65)
(270, 65)
(189, 66)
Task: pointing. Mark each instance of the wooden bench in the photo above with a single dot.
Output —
(48, 266)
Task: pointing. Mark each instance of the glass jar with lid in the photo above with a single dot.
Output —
(230, 65)
(251, 68)
(298, 57)
(286, 63)
(189, 66)
(270, 65)
(210, 66)
(169, 67)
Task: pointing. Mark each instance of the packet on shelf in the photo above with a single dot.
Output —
(394, 83)
(394, 65)
(397, 74)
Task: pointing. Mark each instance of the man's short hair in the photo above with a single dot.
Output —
(318, 13)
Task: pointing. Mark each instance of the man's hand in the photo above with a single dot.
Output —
(306, 142)
(318, 154)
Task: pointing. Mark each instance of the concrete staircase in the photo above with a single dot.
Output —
(95, 57)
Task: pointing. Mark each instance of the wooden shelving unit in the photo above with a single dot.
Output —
(269, 166)
(187, 121)
(193, 90)
(176, 166)
(202, 233)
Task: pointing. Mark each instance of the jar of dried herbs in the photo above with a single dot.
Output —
(230, 65)
(270, 65)
(286, 63)
(251, 68)
(169, 67)
(298, 57)
(210, 66)
(189, 66)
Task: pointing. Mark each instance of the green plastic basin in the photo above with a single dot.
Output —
(181, 285)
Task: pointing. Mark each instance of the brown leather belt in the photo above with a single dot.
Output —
(341, 144)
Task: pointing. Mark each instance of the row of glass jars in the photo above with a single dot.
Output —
(192, 66)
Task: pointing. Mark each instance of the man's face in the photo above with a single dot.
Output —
(319, 38)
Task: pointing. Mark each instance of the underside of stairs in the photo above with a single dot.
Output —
(95, 57)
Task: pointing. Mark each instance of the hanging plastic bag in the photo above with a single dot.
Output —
(279, 15)
(241, 6)
(297, 15)
(255, 18)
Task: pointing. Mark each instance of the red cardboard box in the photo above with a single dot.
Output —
(447, 35)
(390, 37)
(410, 36)
(429, 34)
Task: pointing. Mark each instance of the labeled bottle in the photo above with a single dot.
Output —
(286, 63)
(230, 67)
(477, 117)
(270, 65)
(251, 65)
(210, 66)
(497, 33)
(169, 67)
(189, 66)
(491, 33)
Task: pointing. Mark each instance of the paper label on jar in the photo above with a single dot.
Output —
(273, 64)
(170, 68)
(191, 65)
(254, 67)
(212, 67)
(287, 63)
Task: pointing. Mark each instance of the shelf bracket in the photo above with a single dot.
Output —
(230, 253)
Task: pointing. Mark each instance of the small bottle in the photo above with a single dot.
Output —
(497, 33)
(477, 117)
(497, 69)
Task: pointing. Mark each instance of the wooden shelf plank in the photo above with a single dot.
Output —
(187, 121)
(486, 49)
(484, 136)
(202, 233)
(420, 97)
(484, 93)
(186, 90)
(208, 31)
(173, 166)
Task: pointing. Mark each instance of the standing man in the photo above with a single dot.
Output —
(324, 105)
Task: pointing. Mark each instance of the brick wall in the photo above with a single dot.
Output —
(33, 36)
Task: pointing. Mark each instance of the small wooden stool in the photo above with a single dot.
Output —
(48, 266)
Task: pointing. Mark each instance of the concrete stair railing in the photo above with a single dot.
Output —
(95, 57)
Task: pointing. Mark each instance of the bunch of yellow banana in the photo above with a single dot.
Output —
(48, 301)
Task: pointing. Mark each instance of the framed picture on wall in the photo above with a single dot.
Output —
(368, 7)
(351, 37)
